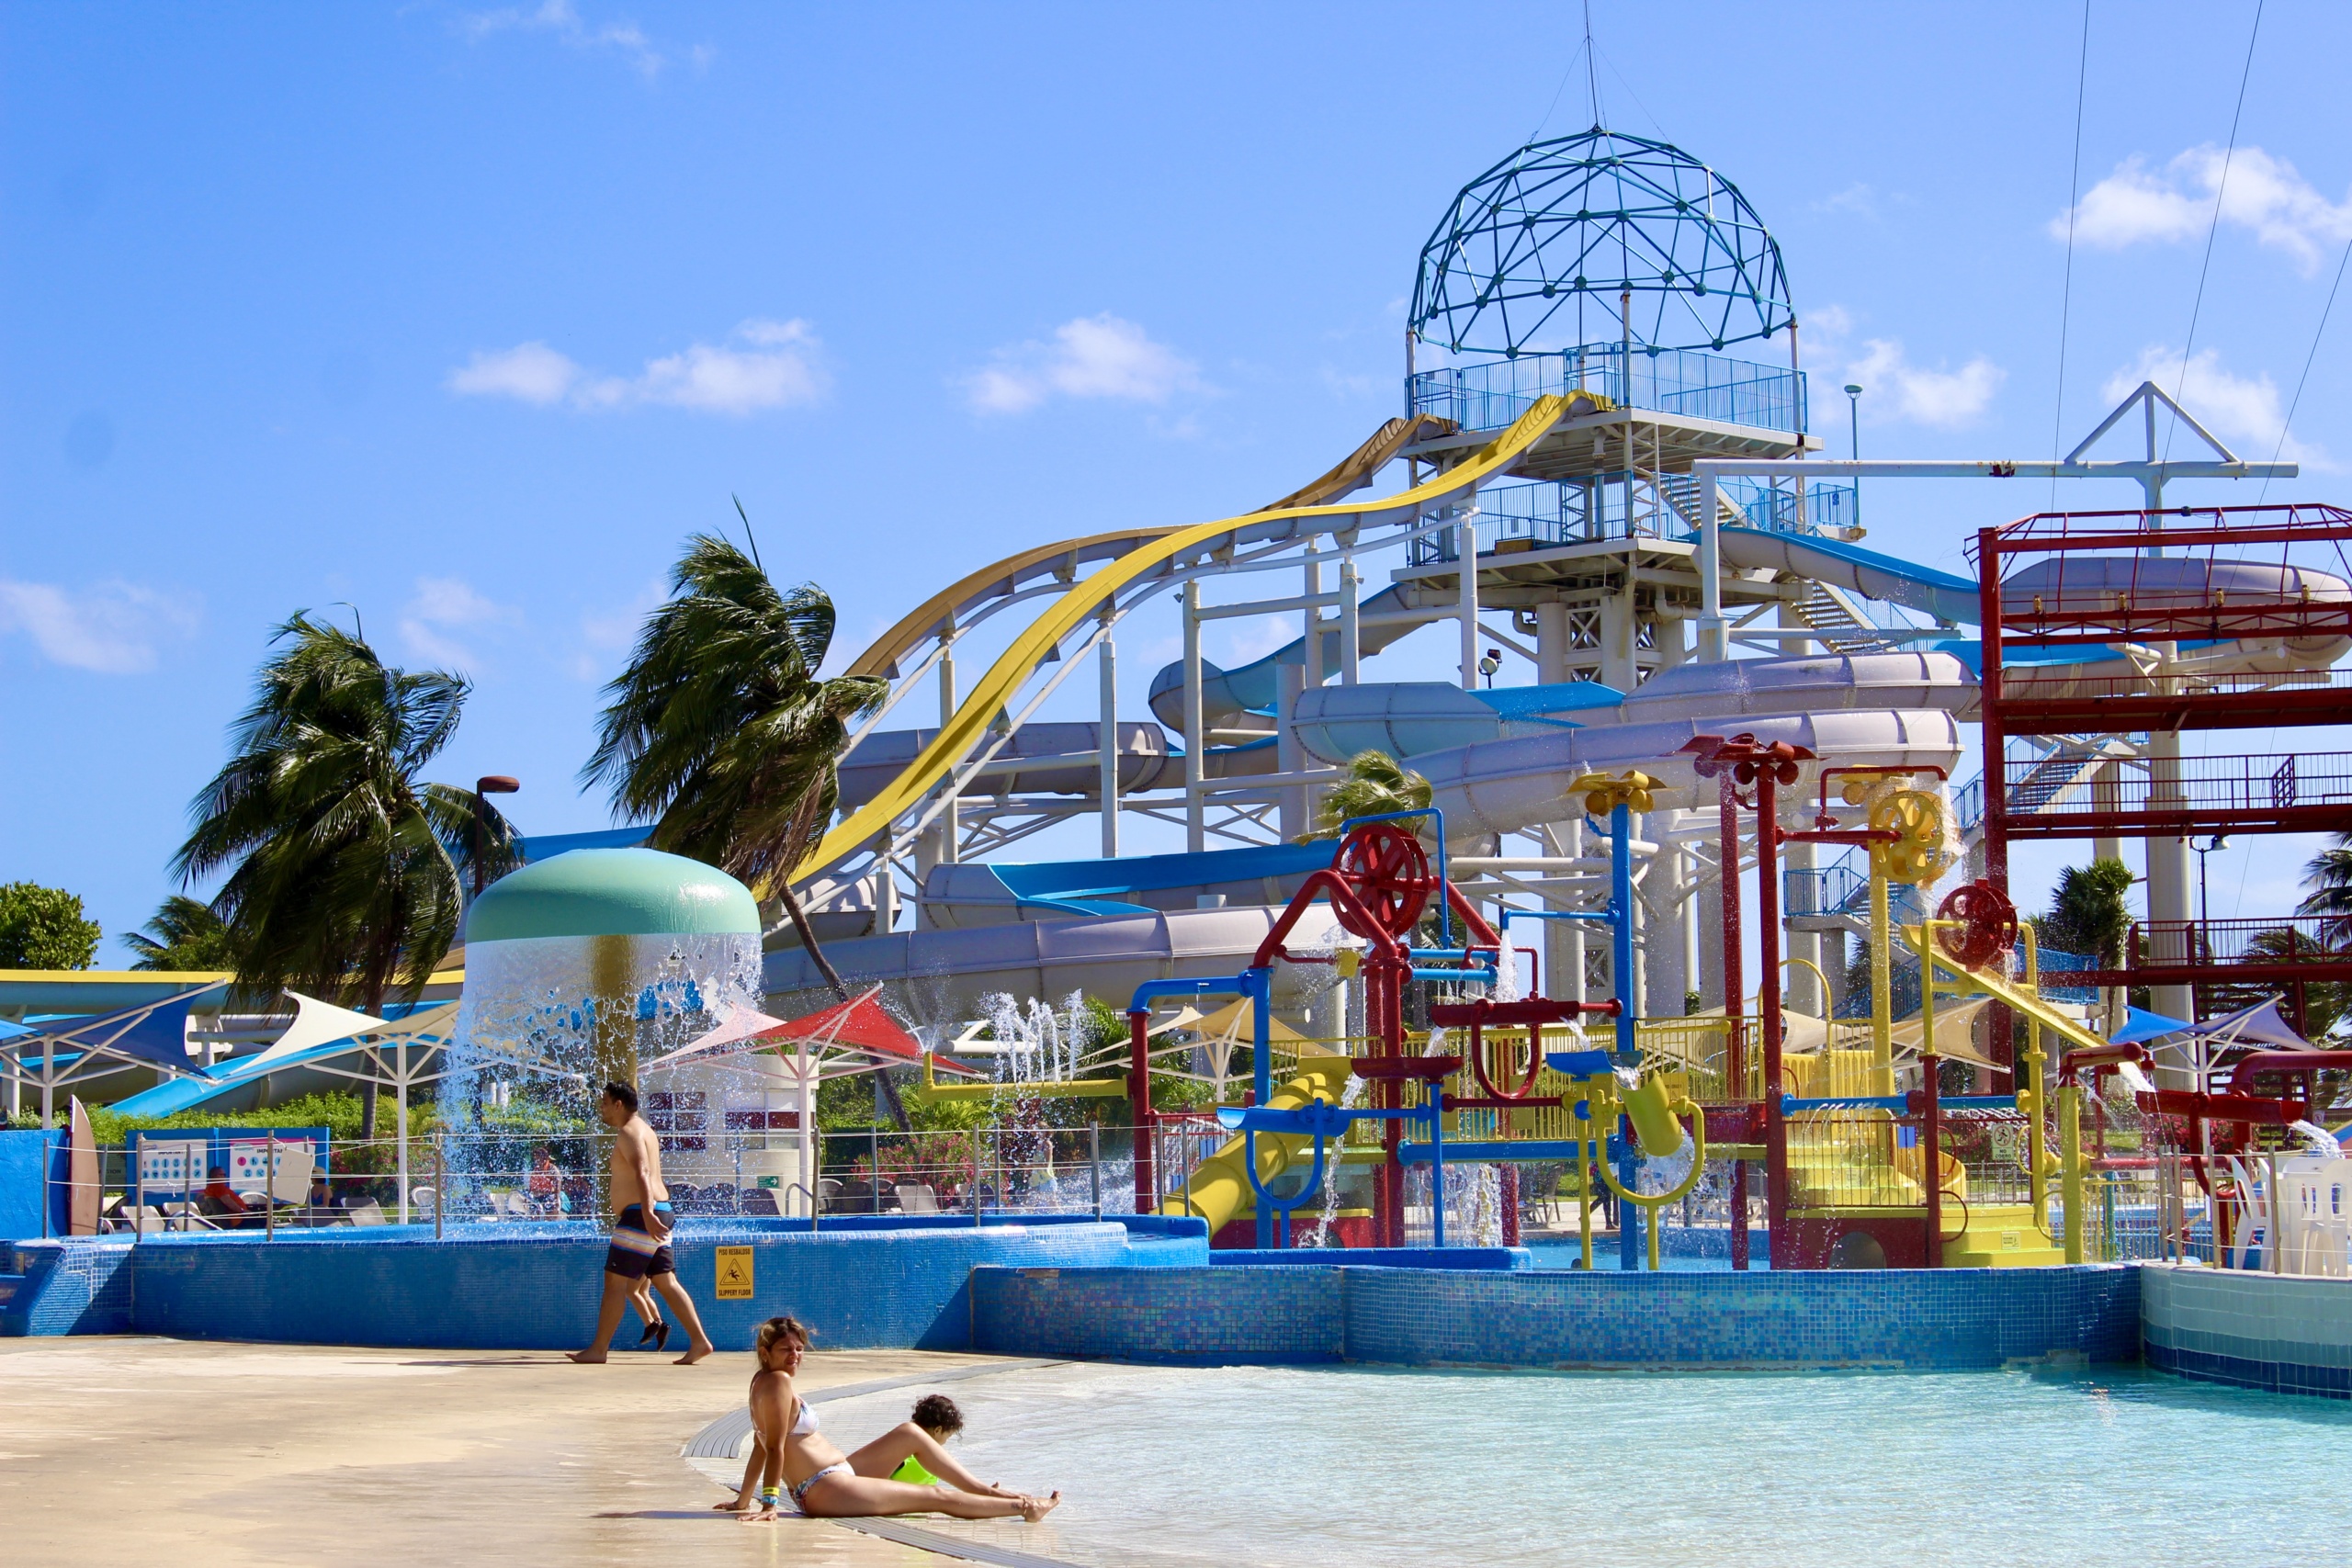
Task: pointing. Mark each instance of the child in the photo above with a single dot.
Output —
(935, 1413)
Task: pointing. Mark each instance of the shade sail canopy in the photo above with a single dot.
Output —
(862, 1022)
(155, 1033)
(315, 1023)
(2141, 1025)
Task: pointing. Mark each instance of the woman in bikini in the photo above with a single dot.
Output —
(789, 1454)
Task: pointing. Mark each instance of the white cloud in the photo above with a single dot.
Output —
(112, 628)
(1858, 199)
(604, 636)
(532, 372)
(1892, 387)
(764, 364)
(562, 19)
(1946, 398)
(2264, 195)
(442, 605)
(2247, 411)
(1093, 356)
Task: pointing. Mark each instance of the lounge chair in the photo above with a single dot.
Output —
(760, 1201)
(366, 1212)
(917, 1198)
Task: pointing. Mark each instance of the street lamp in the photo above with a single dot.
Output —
(1854, 438)
(2204, 913)
(1488, 665)
(489, 784)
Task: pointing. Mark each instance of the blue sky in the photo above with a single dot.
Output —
(467, 315)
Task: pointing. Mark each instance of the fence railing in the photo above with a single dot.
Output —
(1695, 384)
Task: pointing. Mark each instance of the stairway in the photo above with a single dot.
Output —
(1842, 627)
(1680, 492)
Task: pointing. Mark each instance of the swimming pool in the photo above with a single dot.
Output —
(1283, 1467)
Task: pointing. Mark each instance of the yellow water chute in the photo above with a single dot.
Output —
(995, 690)
(1219, 1189)
(1650, 1106)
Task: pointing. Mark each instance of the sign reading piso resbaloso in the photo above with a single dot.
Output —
(734, 1267)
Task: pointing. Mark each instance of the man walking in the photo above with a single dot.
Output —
(640, 1247)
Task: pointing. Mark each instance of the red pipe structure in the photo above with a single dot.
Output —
(1744, 761)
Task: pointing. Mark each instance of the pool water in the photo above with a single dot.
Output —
(1303, 1467)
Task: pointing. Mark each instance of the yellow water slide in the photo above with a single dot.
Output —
(1219, 1189)
(1035, 646)
(2021, 1000)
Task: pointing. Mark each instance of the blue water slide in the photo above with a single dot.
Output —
(1867, 572)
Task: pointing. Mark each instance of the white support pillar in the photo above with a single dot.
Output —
(1196, 833)
(1714, 632)
(1466, 540)
(1551, 643)
(2168, 878)
(1311, 674)
(1107, 746)
(1351, 656)
(946, 825)
(1290, 757)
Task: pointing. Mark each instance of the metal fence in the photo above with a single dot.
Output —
(1696, 385)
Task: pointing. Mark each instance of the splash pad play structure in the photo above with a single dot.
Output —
(1700, 739)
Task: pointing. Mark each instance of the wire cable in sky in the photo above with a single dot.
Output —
(2221, 189)
(2066, 291)
(2296, 401)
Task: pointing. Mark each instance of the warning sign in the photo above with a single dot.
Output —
(734, 1274)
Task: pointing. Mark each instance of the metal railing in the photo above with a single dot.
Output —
(1689, 382)
(2285, 940)
(2245, 786)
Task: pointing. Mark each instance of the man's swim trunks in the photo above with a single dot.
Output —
(634, 1253)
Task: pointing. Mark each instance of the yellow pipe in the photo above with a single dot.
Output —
(1882, 979)
(1219, 1189)
(2070, 1156)
(996, 688)
(1698, 1166)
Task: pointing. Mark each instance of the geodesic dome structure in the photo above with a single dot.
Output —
(1534, 253)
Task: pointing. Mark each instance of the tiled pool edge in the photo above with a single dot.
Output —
(2277, 1333)
(1911, 1320)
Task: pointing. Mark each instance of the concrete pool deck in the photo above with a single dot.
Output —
(135, 1450)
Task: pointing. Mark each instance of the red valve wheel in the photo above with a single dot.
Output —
(1986, 925)
(1389, 871)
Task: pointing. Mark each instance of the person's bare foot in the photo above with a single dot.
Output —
(1035, 1508)
(694, 1352)
(586, 1358)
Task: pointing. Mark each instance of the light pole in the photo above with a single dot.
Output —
(489, 784)
(1854, 438)
(2204, 911)
(1488, 665)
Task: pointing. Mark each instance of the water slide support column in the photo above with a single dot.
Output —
(1310, 797)
(1107, 742)
(1623, 983)
(1351, 656)
(1195, 804)
(1466, 540)
(2168, 856)
(1734, 1000)
(1289, 755)
(1714, 634)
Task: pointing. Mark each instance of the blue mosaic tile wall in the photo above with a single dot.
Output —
(536, 1286)
(2273, 1332)
(56, 1287)
(1944, 1320)
(1216, 1316)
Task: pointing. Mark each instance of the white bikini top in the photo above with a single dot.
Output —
(805, 1422)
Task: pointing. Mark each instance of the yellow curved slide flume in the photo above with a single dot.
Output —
(1029, 649)
(1352, 473)
(1219, 1189)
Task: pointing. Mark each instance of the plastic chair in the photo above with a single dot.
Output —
(761, 1201)
(917, 1198)
(367, 1212)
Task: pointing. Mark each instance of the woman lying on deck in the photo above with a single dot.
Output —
(789, 1452)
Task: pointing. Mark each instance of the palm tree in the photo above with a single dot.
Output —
(2328, 875)
(2089, 913)
(722, 731)
(184, 934)
(345, 873)
(1376, 783)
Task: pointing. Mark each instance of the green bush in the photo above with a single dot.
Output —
(43, 928)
